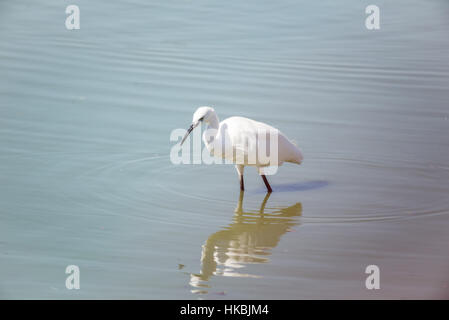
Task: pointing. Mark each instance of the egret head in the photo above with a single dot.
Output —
(205, 114)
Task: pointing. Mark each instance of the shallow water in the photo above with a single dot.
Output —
(85, 121)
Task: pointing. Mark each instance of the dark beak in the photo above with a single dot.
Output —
(187, 133)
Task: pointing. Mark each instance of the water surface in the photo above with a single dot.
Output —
(86, 178)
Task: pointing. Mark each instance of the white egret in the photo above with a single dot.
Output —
(246, 137)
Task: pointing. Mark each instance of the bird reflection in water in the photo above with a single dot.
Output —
(247, 240)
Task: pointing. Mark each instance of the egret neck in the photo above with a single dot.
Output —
(211, 130)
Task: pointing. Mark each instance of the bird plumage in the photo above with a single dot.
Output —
(247, 136)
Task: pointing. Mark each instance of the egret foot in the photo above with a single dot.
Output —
(266, 183)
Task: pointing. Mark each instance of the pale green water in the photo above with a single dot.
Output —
(85, 120)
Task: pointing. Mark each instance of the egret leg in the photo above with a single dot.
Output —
(240, 168)
(266, 183)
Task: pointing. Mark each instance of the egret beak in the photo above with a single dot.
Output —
(193, 126)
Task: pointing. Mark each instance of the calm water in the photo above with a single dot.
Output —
(86, 179)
